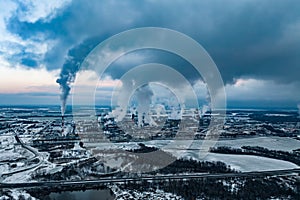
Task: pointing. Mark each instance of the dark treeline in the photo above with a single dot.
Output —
(194, 166)
(227, 188)
(261, 116)
(143, 149)
(186, 165)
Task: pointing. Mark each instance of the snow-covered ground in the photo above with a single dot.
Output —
(6, 142)
(21, 177)
(122, 194)
(10, 156)
(16, 195)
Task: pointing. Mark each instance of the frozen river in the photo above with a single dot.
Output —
(243, 163)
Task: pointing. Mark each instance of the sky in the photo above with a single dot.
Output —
(255, 44)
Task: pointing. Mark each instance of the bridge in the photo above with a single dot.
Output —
(147, 178)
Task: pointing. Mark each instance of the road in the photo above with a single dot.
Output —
(36, 155)
(146, 178)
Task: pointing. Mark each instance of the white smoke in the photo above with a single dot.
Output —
(119, 99)
(176, 108)
(160, 110)
(207, 107)
(175, 114)
(144, 97)
(298, 110)
(203, 110)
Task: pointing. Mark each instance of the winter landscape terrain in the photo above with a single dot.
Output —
(149, 99)
(93, 156)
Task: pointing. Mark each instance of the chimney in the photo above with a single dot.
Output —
(62, 123)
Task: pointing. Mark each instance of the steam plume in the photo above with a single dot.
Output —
(205, 108)
(144, 97)
(175, 108)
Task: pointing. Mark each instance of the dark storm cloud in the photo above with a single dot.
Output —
(29, 62)
(136, 58)
(252, 38)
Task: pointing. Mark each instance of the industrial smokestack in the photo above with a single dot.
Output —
(297, 127)
(62, 123)
(62, 120)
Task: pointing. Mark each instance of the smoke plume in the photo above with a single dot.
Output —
(298, 110)
(144, 98)
(64, 82)
(175, 107)
(71, 66)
